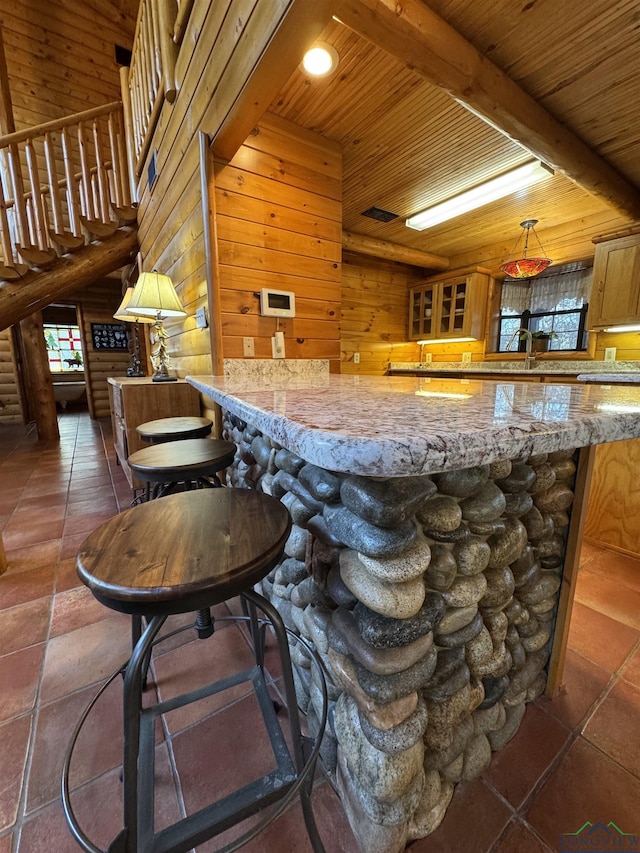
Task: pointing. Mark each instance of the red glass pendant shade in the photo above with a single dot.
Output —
(525, 267)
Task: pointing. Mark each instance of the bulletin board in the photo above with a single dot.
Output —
(109, 336)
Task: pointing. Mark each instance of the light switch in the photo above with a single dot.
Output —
(610, 353)
(248, 347)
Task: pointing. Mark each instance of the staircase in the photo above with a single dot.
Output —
(60, 232)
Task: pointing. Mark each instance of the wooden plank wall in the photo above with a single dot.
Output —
(60, 56)
(279, 225)
(10, 411)
(222, 42)
(375, 306)
(97, 304)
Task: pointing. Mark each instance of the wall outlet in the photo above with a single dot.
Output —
(248, 347)
(277, 345)
(466, 357)
(610, 354)
(356, 358)
(428, 358)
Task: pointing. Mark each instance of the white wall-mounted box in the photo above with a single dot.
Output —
(277, 303)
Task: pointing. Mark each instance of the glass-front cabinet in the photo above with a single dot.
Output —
(449, 306)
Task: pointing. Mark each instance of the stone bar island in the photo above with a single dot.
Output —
(432, 562)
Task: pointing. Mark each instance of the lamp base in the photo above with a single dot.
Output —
(160, 378)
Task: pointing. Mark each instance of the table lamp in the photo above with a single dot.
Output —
(154, 294)
(135, 368)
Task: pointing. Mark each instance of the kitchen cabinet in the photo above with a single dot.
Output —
(449, 306)
(615, 291)
(136, 401)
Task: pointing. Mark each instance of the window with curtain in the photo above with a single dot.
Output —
(64, 348)
(556, 302)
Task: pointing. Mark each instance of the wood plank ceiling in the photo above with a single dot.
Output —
(408, 144)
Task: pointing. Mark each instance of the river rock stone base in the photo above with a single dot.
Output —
(431, 603)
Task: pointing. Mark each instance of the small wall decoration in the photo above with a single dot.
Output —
(111, 336)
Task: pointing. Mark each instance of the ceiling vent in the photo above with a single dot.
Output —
(380, 214)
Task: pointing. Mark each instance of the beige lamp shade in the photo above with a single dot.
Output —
(155, 294)
(124, 316)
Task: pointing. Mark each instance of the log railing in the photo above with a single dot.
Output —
(150, 79)
(86, 192)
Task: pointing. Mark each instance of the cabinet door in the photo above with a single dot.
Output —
(452, 309)
(615, 290)
(422, 308)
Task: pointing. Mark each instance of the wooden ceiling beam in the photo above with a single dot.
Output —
(364, 245)
(417, 37)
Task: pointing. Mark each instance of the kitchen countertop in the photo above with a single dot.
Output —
(404, 426)
(610, 378)
(541, 366)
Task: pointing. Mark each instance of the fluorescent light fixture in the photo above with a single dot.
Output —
(634, 327)
(493, 189)
(446, 341)
(320, 60)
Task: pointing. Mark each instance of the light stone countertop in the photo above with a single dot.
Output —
(545, 366)
(403, 426)
(610, 378)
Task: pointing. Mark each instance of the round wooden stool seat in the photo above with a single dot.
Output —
(184, 552)
(182, 461)
(174, 429)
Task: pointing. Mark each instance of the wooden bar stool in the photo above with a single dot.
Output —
(190, 552)
(174, 429)
(189, 462)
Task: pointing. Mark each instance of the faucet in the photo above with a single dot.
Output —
(529, 359)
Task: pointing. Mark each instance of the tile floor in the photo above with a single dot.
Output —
(574, 759)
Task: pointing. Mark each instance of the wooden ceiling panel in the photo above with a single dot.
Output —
(407, 145)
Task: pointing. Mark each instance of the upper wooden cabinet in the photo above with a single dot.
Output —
(449, 306)
(615, 291)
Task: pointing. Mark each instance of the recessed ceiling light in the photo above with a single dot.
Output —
(320, 60)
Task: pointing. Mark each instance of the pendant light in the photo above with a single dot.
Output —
(525, 267)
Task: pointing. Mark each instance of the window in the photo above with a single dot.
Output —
(556, 302)
(64, 348)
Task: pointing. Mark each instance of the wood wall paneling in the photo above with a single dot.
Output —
(614, 486)
(285, 233)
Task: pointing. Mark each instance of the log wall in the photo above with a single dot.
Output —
(279, 225)
(222, 40)
(97, 304)
(10, 410)
(375, 306)
(61, 56)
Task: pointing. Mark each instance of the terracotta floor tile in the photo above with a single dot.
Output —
(587, 785)
(212, 757)
(19, 676)
(24, 625)
(474, 821)
(86, 523)
(14, 737)
(583, 685)
(6, 843)
(600, 638)
(19, 535)
(198, 663)
(26, 515)
(519, 839)
(42, 503)
(631, 672)
(85, 656)
(19, 587)
(516, 769)
(614, 567)
(44, 487)
(614, 727)
(67, 576)
(597, 591)
(71, 545)
(186, 620)
(75, 608)
(84, 506)
(33, 556)
(98, 749)
(98, 809)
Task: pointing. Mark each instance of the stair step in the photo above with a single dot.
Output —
(36, 257)
(66, 241)
(99, 229)
(11, 272)
(126, 214)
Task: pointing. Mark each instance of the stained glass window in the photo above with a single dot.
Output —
(64, 348)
